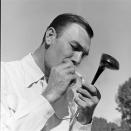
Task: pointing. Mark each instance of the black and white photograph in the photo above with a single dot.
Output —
(65, 65)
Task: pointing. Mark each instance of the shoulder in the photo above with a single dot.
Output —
(11, 70)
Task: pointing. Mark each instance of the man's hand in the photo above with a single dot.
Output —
(59, 80)
(88, 98)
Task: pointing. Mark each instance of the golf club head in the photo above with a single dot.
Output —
(109, 62)
(106, 61)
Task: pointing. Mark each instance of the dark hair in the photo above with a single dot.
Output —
(61, 21)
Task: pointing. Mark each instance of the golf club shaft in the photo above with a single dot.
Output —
(99, 71)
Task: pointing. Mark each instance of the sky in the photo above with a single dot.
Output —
(23, 23)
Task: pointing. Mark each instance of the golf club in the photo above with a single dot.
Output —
(108, 62)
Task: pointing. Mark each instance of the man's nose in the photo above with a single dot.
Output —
(76, 58)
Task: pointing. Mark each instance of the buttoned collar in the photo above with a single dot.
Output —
(32, 72)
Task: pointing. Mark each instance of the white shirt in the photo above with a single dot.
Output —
(23, 108)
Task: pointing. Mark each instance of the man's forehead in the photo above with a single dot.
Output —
(74, 27)
(76, 32)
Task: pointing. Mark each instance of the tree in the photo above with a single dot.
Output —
(124, 101)
(112, 126)
(101, 124)
(124, 126)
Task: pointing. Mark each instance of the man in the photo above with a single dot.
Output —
(36, 89)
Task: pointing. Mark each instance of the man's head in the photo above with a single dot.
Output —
(63, 20)
(68, 36)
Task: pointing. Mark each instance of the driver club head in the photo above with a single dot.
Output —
(109, 62)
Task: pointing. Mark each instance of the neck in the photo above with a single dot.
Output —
(38, 56)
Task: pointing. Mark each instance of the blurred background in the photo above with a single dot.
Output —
(23, 23)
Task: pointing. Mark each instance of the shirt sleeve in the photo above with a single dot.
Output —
(32, 117)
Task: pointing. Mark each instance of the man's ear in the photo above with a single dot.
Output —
(50, 36)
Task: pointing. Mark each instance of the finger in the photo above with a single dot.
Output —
(70, 70)
(67, 63)
(63, 65)
(80, 102)
(91, 88)
(71, 76)
(66, 60)
(96, 100)
(72, 79)
(84, 92)
(88, 101)
(89, 98)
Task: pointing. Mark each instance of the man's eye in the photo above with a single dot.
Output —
(76, 48)
(83, 55)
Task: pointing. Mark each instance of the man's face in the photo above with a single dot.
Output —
(73, 44)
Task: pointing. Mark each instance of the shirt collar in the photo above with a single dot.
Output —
(32, 71)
